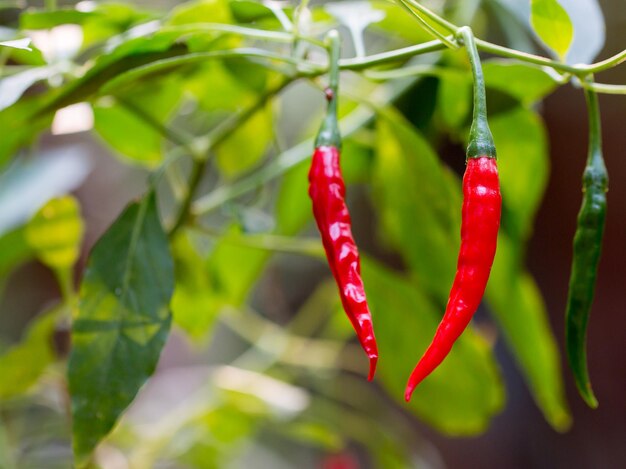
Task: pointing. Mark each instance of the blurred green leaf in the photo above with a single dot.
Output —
(523, 165)
(20, 126)
(245, 11)
(113, 18)
(314, 434)
(22, 365)
(216, 89)
(44, 19)
(243, 149)
(218, 436)
(417, 202)
(293, 206)
(133, 53)
(454, 98)
(135, 122)
(14, 250)
(122, 323)
(552, 24)
(517, 304)
(511, 293)
(27, 117)
(398, 23)
(233, 269)
(465, 391)
(527, 83)
(201, 11)
(56, 231)
(589, 30)
(194, 304)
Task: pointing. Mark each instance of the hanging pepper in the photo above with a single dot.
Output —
(327, 191)
(479, 230)
(587, 246)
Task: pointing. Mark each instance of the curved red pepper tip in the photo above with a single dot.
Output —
(409, 392)
(373, 362)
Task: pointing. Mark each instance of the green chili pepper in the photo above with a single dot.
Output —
(587, 246)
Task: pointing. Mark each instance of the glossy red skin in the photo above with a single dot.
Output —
(327, 191)
(482, 204)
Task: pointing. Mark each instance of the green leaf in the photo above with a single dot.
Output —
(454, 98)
(553, 25)
(233, 269)
(245, 11)
(201, 11)
(590, 30)
(194, 304)
(55, 232)
(518, 306)
(293, 205)
(122, 323)
(465, 391)
(523, 165)
(527, 83)
(216, 88)
(134, 124)
(243, 149)
(129, 55)
(398, 23)
(110, 19)
(14, 250)
(317, 435)
(20, 125)
(22, 365)
(418, 203)
(36, 19)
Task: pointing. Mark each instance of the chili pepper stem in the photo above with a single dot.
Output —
(480, 138)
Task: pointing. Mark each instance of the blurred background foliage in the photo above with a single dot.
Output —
(261, 368)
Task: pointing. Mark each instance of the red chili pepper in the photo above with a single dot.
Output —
(479, 231)
(327, 191)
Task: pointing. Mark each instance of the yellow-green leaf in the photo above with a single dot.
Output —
(553, 25)
(23, 364)
(56, 231)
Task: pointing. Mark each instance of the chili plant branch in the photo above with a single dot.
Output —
(169, 133)
(427, 26)
(268, 242)
(433, 16)
(217, 136)
(296, 154)
(579, 70)
(603, 87)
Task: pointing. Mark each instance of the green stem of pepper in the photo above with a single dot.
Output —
(329, 135)
(480, 138)
(427, 26)
(215, 138)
